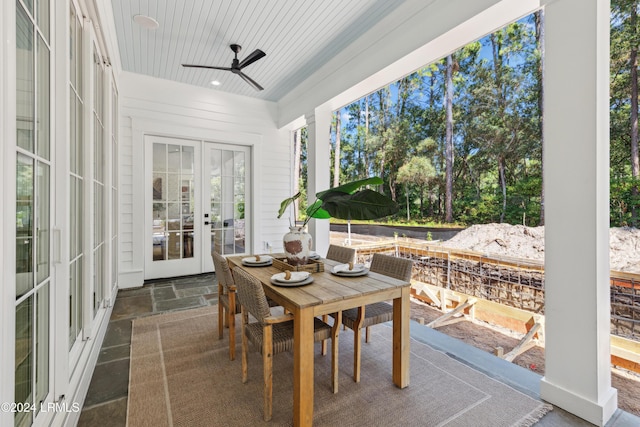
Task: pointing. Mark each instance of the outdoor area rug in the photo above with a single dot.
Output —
(181, 375)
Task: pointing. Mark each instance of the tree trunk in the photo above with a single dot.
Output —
(539, 16)
(503, 187)
(635, 164)
(336, 154)
(449, 142)
(406, 190)
(366, 137)
(297, 153)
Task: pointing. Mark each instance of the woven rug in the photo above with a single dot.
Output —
(181, 375)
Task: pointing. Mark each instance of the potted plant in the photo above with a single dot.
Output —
(346, 201)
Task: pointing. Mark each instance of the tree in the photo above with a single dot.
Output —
(418, 172)
(297, 162)
(539, 21)
(449, 142)
(625, 164)
(336, 153)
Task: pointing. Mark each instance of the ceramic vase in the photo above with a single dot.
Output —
(297, 245)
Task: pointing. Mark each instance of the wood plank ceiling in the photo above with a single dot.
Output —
(298, 37)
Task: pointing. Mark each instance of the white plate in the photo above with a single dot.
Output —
(290, 285)
(314, 256)
(252, 260)
(356, 274)
(344, 268)
(258, 264)
(296, 276)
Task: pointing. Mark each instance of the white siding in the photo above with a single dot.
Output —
(162, 107)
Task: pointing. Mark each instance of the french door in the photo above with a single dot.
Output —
(196, 203)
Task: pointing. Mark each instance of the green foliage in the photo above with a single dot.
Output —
(398, 132)
(346, 202)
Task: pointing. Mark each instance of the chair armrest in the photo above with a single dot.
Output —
(278, 319)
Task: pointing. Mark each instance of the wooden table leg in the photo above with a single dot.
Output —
(303, 367)
(401, 315)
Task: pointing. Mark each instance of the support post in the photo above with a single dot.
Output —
(576, 174)
(318, 170)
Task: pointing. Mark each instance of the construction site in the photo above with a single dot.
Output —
(485, 286)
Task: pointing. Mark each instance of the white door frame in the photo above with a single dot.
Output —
(201, 262)
(207, 263)
(177, 267)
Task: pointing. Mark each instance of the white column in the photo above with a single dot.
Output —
(318, 170)
(577, 366)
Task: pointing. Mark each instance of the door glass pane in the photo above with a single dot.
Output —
(173, 201)
(42, 7)
(42, 343)
(28, 4)
(75, 300)
(173, 219)
(42, 100)
(25, 82)
(23, 361)
(159, 180)
(24, 225)
(98, 278)
(226, 180)
(159, 231)
(73, 140)
(173, 187)
(79, 146)
(173, 158)
(42, 223)
(187, 160)
(159, 157)
(73, 34)
(173, 250)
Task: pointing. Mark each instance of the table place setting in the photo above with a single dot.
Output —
(257, 261)
(350, 270)
(292, 278)
(314, 256)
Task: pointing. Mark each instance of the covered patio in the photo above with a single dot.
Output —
(123, 117)
(412, 35)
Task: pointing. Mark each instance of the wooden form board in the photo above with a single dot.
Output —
(625, 353)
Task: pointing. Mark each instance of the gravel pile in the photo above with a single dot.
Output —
(528, 242)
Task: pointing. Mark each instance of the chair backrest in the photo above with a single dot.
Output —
(251, 295)
(398, 268)
(341, 254)
(223, 272)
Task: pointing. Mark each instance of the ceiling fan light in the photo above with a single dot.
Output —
(146, 22)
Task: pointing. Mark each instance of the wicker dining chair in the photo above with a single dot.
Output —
(344, 255)
(228, 305)
(379, 312)
(341, 254)
(270, 334)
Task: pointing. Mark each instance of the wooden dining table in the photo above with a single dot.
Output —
(329, 293)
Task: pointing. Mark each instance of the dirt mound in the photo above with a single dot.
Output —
(528, 242)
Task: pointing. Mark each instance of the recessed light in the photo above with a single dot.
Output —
(146, 22)
(215, 83)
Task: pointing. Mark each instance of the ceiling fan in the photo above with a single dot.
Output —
(237, 66)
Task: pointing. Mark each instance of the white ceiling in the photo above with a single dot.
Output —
(298, 36)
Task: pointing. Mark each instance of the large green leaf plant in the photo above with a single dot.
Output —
(347, 202)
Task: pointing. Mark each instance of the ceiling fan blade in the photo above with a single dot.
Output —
(210, 67)
(249, 80)
(253, 57)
